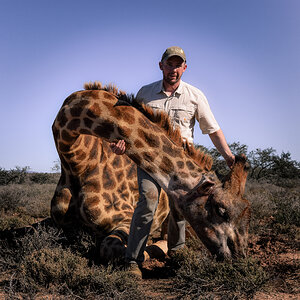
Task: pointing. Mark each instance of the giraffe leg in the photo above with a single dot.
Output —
(61, 208)
(112, 248)
(156, 250)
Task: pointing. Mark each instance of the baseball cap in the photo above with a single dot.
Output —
(173, 51)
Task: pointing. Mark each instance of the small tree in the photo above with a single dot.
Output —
(57, 166)
(284, 167)
(261, 162)
(17, 175)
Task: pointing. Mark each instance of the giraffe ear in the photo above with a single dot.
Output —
(205, 187)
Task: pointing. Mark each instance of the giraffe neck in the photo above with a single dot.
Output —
(147, 144)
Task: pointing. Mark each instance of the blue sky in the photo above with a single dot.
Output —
(244, 55)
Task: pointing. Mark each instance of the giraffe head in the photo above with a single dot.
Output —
(218, 212)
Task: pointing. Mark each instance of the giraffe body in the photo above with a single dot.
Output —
(99, 188)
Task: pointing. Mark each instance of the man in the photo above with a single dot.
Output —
(183, 103)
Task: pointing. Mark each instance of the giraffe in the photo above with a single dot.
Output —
(93, 191)
(97, 188)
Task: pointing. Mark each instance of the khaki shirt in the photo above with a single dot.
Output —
(185, 105)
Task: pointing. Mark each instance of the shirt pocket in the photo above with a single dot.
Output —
(155, 107)
(182, 115)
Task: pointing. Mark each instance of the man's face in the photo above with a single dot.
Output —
(172, 69)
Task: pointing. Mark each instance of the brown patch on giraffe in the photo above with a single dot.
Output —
(104, 129)
(80, 155)
(149, 170)
(85, 131)
(122, 187)
(138, 144)
(94, 150)
(117, 163)
(92, 186)
(61, 118)
(56, 135)
(195, 174)
(66, 136)
(70, 99)
(126, 206)
(73, 124)
(87, 140)
(124, 131)
(190, 165)
(151, 139)
(76, 110)
(131, 171)
(128, 118)
(136, 158)
(90, 94)
(144, 123)
(69, 155)
(183, 174)
(117, 218)
(92, 201)
(172, 151)
(92, 214)
(119, 176)
(166, 165)
(88, 122)
(124, 195)
(110, 107)
(148, 156)
(109, 96)
(167, 143)
(180, 164)
(108, 180)
(94, 111)
(63, 147)
(112, 203)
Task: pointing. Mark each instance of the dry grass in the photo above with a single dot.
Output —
(44, 263)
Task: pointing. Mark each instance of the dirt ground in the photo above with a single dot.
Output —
(279, 257)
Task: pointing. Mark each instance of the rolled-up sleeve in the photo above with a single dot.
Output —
(204, 116)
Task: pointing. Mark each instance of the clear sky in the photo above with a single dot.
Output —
(244, 55)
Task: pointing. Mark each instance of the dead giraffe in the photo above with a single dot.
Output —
(97, 188)
(93, 190)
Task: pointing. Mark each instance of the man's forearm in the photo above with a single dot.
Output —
(220, 143)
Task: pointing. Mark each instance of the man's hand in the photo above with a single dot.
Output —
(119, 147)
(230, 161)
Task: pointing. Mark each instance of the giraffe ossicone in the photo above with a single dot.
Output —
(99, 189)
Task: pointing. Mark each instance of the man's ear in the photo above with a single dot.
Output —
(205, 187)
(160, 65)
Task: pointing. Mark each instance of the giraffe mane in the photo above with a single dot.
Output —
(160, 118)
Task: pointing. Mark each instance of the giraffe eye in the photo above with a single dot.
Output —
(221, 211)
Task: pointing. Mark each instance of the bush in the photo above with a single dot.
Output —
(201, 277)
(17, 175)
(40, 178)
(24, 203)
(274, 208)
(42, 265)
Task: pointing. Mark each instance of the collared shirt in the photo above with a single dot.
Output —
(184, 106)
